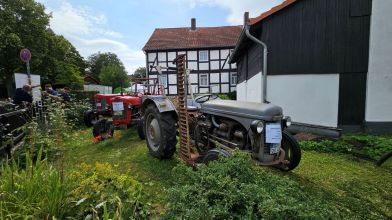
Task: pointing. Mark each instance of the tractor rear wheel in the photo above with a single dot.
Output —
(90, 118)
(293, 151)
(160, 132)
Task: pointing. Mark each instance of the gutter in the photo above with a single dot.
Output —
(264, 62)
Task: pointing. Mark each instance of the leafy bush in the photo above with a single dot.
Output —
(83, 95)
(74, 112)
(367, 146)
(101, 187)
(233, 188)
(232, 95)
(36, 192)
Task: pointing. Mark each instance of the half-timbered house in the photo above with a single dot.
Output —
(207, 52)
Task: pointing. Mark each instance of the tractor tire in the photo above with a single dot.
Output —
(103, 128)
(140, 129)
(90, 118)
(293, 151)
(215, 154)
(160, 132)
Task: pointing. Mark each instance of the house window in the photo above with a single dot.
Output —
(203, 80)
(233, 79)
(164, 80)
(203, 55)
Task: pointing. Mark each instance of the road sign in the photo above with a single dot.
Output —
(25, 55)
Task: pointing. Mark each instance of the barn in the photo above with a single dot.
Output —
(329, 62)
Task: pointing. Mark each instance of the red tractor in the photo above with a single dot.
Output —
(124, 109)
(102, 107)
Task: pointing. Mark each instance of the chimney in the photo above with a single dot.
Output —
(246, 18)
(193, 24)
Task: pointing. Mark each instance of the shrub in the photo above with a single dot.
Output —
(36, 192)
(232, 188)
(232, 95)
(101, 187)
(74, 112)
(83, 95)
(366, 146)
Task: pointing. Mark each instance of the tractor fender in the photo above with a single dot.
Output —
(162, 103)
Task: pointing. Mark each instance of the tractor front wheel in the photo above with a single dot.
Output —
(293, 151)
(90, 118)
(140, 129)
(160, 132)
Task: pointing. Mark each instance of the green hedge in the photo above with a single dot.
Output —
(82, 95)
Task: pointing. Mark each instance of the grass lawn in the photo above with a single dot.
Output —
(342, 180)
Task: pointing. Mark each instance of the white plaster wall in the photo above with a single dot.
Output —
(162, 56)
(224, 53)
(171, 56)
(172, 79)
(225, 77)
(310, 98)
(172, 90)
(214, 77)
(379, 81)
(151, 57)
(192, 55)
(203, 66)
(214, 54)
(225, 88)
(215, 65)
(192, 65)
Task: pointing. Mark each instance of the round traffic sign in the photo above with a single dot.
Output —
(25, 55)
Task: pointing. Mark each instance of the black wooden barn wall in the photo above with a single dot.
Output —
(317, 37)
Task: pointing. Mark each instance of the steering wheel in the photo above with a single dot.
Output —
(204, 98)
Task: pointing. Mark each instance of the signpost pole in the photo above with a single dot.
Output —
(28, 72)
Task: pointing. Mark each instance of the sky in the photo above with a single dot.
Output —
(124, 26)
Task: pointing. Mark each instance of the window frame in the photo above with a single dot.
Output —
(207, 55)
(164, 78)
(200, 81)
(236, 77)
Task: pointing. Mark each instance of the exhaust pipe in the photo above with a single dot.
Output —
(265, 52)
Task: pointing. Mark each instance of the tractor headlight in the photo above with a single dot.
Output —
(257, 126)
(287, 121)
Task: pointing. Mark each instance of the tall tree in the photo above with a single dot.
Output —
(98, 60)
(139, 73)
(23, 23)
(114, 75)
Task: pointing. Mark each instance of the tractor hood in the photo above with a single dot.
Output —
(252, 110)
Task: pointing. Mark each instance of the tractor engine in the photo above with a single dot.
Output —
(212, 131)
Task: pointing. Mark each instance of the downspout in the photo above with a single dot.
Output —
(265, 52)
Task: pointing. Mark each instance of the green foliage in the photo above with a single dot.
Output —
(232, 188)
(115, 76)
(367, 146)
(83, 95)
(35, 192)
(232, 95)
(98, 60)
(24, 24)
(101, 187)
(74, 112)
(139, 73)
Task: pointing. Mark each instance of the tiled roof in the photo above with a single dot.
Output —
(271, 11)
(184, 38)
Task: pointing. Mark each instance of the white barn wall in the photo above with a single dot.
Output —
(308, 98)
(379, 80)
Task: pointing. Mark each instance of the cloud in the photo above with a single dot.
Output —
(81, 26)
(235, 7)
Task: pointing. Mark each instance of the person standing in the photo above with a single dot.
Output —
(66, 94)
(23, 95)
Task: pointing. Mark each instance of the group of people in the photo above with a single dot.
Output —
(24, 94)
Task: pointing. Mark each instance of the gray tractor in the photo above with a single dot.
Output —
(210, 128)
